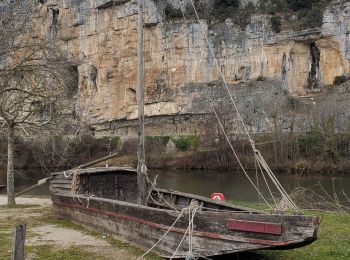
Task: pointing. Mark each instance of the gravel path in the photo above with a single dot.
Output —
(27, 201)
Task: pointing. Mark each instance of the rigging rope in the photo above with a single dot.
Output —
(235, 154)
(192, 209)
(257, 154)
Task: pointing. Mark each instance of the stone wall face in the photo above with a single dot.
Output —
(101, 36)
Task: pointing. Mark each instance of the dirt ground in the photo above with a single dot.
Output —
(51, 238)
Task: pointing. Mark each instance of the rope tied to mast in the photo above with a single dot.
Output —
(258, 157)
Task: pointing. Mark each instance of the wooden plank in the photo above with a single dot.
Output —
(61, 186)
(126, 170)
(256, 227)
(66, 181)
(18, 240)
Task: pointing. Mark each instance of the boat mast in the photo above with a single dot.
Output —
(141, 158)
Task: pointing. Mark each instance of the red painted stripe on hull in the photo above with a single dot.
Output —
(177, 230)
(254, 226)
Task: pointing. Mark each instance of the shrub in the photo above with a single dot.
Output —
(310, 12)
(338, 80)
(293, 103)
(261, 78)
(187, 142)
(172, 13)
(276, 23)
(156, 144)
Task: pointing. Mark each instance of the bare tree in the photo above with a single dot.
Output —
(34, 76)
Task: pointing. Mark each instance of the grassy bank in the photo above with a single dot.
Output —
(333, 241)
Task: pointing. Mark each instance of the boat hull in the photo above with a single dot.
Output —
(212, 234)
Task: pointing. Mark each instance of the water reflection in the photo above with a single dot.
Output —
(25, 178)
(234, 185)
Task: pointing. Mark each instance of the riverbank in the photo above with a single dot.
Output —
(210, 160)
(319, 151)
(51, 238)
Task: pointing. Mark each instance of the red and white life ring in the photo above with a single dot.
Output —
(218, 196)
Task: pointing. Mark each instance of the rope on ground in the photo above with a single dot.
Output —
(166, 233)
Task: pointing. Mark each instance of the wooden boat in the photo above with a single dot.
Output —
(105, 199)
(120, 202)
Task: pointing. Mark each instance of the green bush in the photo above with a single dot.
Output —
(311, 144)
(338, 80)
(276, 23)
(161, 140)
(187, 142)
(310, 12)
(261, 78)
(156, 144)
(112, 142)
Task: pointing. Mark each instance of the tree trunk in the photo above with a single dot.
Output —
(10, 166)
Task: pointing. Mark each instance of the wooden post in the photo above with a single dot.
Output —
(19, 234)
(141, 165)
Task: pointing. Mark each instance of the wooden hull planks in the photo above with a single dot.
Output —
(219, 228)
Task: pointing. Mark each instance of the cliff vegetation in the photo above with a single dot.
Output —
(295, 14)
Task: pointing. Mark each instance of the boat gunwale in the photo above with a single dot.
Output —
(100, 170)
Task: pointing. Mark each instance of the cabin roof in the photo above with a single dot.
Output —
(96, 170)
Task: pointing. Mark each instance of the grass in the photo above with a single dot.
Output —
(333, 241)
(5, 244)
(16, 206)
(50, 252)
(132, 249)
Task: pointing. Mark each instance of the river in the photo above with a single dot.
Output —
(234, 185)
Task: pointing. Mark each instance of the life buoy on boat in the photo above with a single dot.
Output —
(218, 196)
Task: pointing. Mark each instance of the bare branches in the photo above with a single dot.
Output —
(321, 200)
(34, 73)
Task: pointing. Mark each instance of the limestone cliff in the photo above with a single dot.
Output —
(100, 36)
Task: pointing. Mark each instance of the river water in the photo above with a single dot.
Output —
(234, 185)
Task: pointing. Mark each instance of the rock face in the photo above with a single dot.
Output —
(101, 36)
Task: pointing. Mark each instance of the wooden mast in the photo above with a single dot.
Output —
(141, 165)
